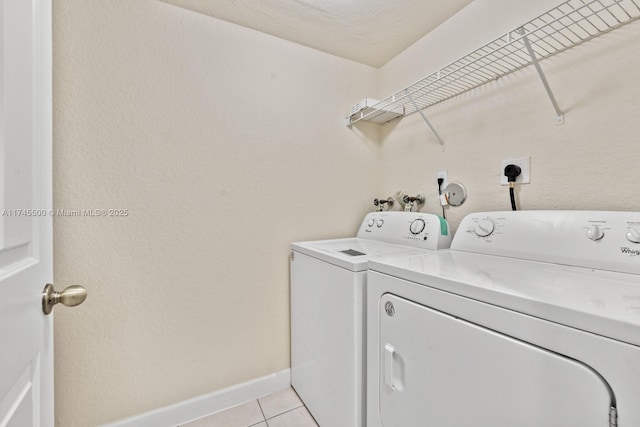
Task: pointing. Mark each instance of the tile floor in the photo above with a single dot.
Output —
(280, 409)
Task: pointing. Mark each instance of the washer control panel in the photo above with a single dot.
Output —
(416, 229)
(592, 239)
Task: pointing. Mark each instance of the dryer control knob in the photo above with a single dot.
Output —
(595, 233)
(371, 222)
(380, 223)
(416, 226)
(484, 228)
(633, 235)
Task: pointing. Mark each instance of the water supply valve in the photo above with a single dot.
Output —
(380, 203)
(409, 201)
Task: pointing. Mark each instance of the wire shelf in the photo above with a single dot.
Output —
(563, 27)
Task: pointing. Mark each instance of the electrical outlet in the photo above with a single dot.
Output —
(525, 175)
(443, 175)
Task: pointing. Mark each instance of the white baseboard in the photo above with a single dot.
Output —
(201, 406)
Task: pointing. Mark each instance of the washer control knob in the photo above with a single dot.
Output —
(416, 226)
(380, 223)
(484, 228)
(371, 222)
(595, 233)
(633, 235)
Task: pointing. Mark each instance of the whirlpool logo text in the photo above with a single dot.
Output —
(629, 251)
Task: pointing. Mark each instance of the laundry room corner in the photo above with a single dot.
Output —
(220, 184)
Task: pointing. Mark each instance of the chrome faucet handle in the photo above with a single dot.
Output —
(380, 203)
(419, 199)
(410, 202)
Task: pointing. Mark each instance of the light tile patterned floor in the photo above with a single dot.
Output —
(280, 409)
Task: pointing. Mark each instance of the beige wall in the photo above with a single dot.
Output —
(226, 144)
(590, 162)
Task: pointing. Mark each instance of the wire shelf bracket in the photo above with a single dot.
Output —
(569, 24)
(424, 117)
(545, 82)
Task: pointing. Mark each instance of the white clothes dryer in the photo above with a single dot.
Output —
(328, 287)
(531, 319)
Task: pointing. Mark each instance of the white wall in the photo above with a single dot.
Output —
(590, 162)
(224, 144)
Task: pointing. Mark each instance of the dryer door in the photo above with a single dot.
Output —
(437, 370)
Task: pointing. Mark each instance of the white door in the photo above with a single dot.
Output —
(26, 340)
(439, 370)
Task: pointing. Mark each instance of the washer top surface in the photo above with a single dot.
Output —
(352, 253)
(381, 234)
(568, 291)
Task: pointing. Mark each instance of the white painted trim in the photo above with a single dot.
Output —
(201, 406)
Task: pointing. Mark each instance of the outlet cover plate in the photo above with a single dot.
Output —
(525, 175)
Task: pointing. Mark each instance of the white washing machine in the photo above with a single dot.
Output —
(532, 319)
(328, 286)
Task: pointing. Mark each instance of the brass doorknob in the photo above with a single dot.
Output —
(71, 296)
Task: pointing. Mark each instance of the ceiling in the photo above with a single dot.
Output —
(368, 31)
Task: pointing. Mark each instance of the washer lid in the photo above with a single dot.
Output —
(602, 302)
(352, 253)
